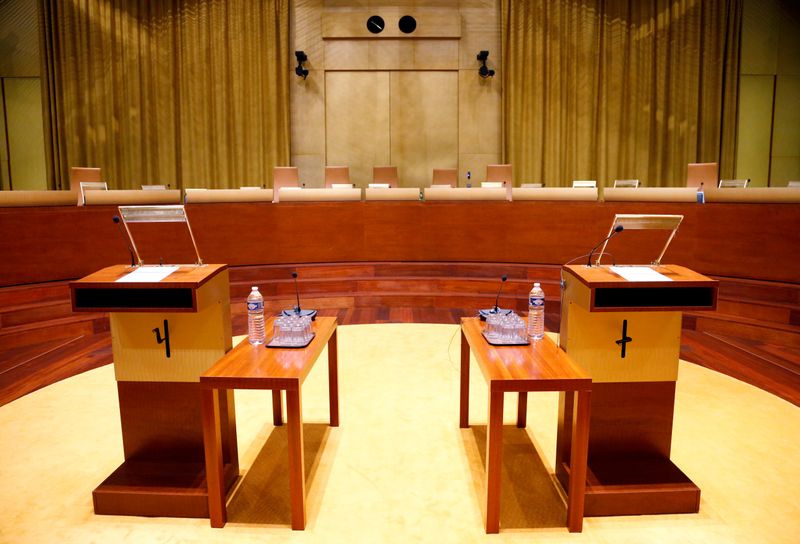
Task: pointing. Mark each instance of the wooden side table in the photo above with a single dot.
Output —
(541, 366)
(260, 367)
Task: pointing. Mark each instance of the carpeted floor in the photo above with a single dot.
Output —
(399, 469)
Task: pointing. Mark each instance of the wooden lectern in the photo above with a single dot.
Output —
(626, 335)
(164, 335)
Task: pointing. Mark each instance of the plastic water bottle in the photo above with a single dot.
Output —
(255, 317)
(536, 312)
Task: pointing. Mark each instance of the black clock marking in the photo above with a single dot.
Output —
(407, 24)
(375, 24)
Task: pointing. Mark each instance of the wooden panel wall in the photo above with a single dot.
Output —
(449, 36)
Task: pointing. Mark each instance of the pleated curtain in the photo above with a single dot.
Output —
(613, 89)
(185, 93)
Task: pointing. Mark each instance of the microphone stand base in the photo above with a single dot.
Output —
(490, 311)
(303, 313)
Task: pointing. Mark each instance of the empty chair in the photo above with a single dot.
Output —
(337, 177)
(384, 176)
(700, 174)
(284, 176)
(631, 183)
(584, 184)
(730, 183)
(82, 174)
(501, 173)
(154, 187)
(445, 176)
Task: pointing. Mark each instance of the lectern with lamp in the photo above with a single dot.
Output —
(168, 325)
(622, 325)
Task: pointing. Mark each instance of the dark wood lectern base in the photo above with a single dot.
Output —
(163, 489)
(635, 486)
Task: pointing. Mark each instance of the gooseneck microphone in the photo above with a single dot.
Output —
(617, 230)
(496, 310)
(116, 220)
(297, 311)
(497, 298)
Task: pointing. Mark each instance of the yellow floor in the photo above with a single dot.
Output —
(399, 469)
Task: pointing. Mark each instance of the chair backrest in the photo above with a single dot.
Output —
(738, 183)
(793, 184)
(90, 186)
(385, 174)
(634, 183)
(445, 176)
(78, 174)
(584, 184)
(285, 176)
(500, 172)
(154, 187)
(337, 174)
(702, 174)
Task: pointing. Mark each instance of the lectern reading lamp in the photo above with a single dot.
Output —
(642, 222)
(156, 214)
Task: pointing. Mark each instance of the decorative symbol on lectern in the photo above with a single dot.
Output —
(623, 342)
(165, 340)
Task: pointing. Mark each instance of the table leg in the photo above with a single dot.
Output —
(212, 442)
(297, 476)
(522, 409)
(277, 407)
(494, 460)
(333, 379)
(578, 459)
(464, 395)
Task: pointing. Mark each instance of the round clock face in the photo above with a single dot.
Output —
(407, 24)
(375, 24)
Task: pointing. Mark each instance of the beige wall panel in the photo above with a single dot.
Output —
(789, 39)
(479, 113)
(783, 170)
(308, 113)
(475, 163)
(786, 132)
(19, 39)
(305, 33)
(424, 124)
(391, 54)
(431, 23)
(755, 120)
(357, 122)
(25, 133)
(311, 169)
(481, 32)
(759, 53)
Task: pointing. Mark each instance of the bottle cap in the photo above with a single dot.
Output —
(254, 288)
(536, 284)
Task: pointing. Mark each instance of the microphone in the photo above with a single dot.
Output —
(617, 230)
(296, 311)
(496, 310)
(116, 220)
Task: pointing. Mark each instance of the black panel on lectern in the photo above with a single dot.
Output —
(144, 298)
(653, 297)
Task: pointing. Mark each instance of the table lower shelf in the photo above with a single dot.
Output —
(635, 486)
(157, 488)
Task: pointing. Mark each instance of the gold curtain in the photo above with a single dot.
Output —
(190, 93)
(618, 89)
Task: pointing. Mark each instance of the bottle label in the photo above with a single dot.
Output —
(536, 301)
(255, 306)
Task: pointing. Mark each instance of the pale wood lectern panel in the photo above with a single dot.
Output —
(163, 473)
(626, 335)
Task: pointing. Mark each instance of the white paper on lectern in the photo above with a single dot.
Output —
(639, 273)
(148, 274)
